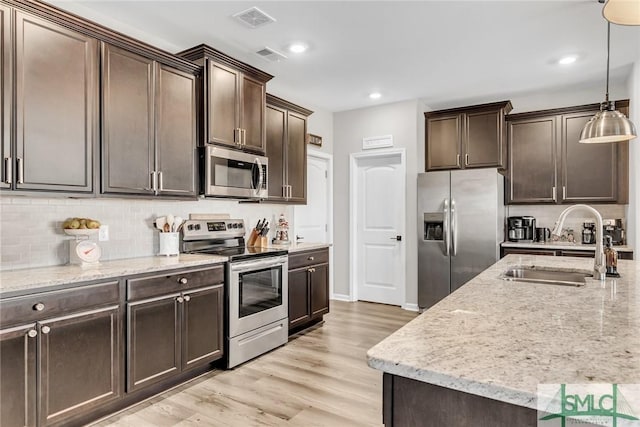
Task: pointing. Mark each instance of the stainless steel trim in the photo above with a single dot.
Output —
(445, 227)
(454, 232)
(8, 170)
(243, 266)
(20, 170)
(254, 343)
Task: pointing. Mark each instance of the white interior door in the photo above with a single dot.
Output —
(378, 221)
(311, 221)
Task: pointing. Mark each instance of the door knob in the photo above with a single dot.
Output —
(398, 238)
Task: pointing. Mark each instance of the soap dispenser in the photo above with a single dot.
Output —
(611, 256)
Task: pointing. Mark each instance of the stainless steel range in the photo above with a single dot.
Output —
(256, 285)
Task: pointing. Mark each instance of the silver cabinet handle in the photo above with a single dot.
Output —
(160, 185)
(236, 139)
(243, 136)
(555, 198)
(183, 281)
(154, 181)
(187, 298)
(290, 191)
(284, 191)
(564, 192)
(20, 170)
(32, 333)
(312, 270)
(180, 300)
(38, 307)
(466, 160)
(45, 329)
(7, 170)
(445, 226)
(457, 159)
(310, 258)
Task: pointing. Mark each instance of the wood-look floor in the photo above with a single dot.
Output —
(320, 378)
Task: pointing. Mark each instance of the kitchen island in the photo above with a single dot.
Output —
(476, 358)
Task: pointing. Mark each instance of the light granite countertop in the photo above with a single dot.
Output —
(500, 339)
(299, 247)
(26, 281)
(561, 245)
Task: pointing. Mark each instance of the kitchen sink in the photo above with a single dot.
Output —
(550, 276)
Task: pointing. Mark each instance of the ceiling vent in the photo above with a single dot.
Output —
(253, 17)
(270, 54)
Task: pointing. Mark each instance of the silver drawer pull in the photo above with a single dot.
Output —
(32, 333)
(38, 307)
(46, 329)
(311, 258)
(180, 300)
(183, 281)
(187, 298)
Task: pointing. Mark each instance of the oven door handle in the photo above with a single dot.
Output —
(254, 265)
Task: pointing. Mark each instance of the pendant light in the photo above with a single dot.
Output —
(622, 12)
(608, 125)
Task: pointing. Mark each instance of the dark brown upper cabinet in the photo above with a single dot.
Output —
(55, 104)
(287, 150)
(148, 126)
(548, 164)
(467, 137)
(233, 101)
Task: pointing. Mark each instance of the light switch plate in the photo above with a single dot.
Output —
(103, 233)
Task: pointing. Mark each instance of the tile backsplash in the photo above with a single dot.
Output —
(546, 215)
(31, 228)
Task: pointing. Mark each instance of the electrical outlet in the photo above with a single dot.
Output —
(103, 233)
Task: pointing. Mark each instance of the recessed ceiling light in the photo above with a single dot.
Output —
(566, 60)
(297, 47)
(375, 95)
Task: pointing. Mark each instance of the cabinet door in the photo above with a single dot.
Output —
(176, 132)
(6, 101)
(299, 308)
(276, 134)
(223, 104)
(127, 122)
(56, 106)
(589, 171)
(443, 142)
(153, 334)
(483, 139)
(253, 111)
(202, 326)
(297, 157)
(79, 363)
(319, 288)
(18, 376)
(532, 160)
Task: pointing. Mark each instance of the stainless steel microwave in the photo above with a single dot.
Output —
(234, 174)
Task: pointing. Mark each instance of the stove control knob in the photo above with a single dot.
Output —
(240, 225)
(235, 225)
(190, 227)
(197, 226)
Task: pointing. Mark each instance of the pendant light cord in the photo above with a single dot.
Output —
(608, 50)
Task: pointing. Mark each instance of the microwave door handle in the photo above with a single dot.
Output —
(258, 187)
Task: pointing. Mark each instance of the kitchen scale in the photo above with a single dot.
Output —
(82, 250)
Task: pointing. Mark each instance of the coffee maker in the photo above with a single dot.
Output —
(613, 228)
(521, 228)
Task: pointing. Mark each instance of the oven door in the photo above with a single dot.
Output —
(229, 173)
(258, 293)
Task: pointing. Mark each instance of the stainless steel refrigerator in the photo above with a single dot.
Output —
(460, 227)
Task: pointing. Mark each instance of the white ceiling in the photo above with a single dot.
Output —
(439, 51)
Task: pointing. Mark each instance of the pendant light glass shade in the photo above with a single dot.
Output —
(622, 12)
(608, 125)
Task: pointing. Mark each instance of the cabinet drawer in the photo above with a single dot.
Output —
(25, 309)
(149, 286)
(302, 259)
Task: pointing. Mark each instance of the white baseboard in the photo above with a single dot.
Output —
(410, 307)
(341, 297)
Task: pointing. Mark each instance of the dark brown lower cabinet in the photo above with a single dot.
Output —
(18, 375)
(408, 403)
(79, 363)
(171, 333)
(308, 288)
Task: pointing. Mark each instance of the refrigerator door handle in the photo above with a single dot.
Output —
(445, 227)
(454, 232)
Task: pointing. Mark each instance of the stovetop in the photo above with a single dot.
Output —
(243, 252)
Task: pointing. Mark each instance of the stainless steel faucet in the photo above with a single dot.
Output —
(599, 265)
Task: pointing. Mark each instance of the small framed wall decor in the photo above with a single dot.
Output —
(314, 139)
